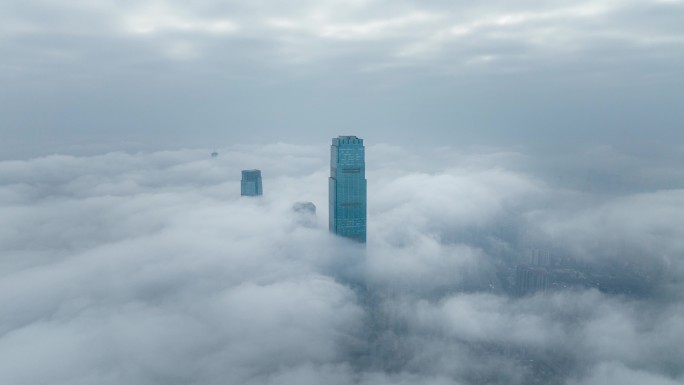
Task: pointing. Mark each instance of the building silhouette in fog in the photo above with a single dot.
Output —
(530, 279)
(305, 214)
(250, 185)
(347, 188)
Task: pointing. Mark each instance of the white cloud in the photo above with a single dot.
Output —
(150, 268)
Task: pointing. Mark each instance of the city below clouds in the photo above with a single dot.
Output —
(150, 268)
(524, 206)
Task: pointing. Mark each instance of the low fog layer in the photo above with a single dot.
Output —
(149, 268)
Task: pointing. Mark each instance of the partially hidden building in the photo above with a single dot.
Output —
(305, 214)
(250, 185)
(347, 188)
(530, 279)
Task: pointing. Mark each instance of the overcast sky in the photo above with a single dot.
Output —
(208, 73)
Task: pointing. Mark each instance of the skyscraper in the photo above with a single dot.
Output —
(529, 279)
(347, 188)
(305, 214)
(251, 183)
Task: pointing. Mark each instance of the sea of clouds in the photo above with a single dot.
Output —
(149, 268)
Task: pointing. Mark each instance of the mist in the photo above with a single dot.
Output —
(148, 267)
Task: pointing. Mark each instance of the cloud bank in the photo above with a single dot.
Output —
(149, 268)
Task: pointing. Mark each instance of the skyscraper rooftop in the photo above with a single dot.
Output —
(251, 183)
(347, 188)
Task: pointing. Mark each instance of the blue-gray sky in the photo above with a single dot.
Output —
(209, 73)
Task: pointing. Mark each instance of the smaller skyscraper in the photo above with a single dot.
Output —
(305, 214)
(251, 183)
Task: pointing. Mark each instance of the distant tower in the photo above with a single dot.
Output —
(305, 214)
(347, 188)
(251, 183)
(529, 279)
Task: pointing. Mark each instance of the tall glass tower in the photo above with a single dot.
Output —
(347, 188)
(250, 185)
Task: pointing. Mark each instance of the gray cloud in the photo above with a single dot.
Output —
(170, 74)
(149, 268)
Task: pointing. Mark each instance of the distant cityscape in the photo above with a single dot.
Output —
(522, 271)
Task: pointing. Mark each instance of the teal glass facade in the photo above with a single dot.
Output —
(347, 188)
(250, 185)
